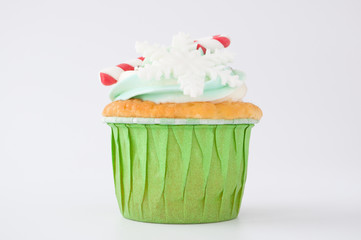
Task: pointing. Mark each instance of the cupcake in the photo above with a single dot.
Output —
(179, 132)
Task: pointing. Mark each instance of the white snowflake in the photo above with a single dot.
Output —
(185, 63)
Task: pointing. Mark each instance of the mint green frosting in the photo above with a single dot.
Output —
(167, 90)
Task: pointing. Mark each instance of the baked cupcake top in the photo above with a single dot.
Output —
(188, 79)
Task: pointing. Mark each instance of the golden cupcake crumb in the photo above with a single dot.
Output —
(200, 110)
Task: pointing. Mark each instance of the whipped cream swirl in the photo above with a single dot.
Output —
(181, 72)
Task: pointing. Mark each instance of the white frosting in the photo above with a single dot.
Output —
(182, 61)
(236, 96)
(186, 71)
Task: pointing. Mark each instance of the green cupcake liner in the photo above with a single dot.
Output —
(179, 173)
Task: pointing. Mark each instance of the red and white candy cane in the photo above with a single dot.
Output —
(213, 43)
(109, 76)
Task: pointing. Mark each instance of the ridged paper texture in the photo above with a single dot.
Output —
(180, 173)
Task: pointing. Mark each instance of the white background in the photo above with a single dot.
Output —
(303, 62)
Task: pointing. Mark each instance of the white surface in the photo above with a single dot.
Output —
(302, 59)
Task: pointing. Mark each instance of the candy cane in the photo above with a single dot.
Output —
(109, 76)
(213, 43)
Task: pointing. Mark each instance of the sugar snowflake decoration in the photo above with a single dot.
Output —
(182, 61)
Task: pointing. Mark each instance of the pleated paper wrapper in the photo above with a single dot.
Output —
(171, 173)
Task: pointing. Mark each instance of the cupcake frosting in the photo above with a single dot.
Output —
(186, 71)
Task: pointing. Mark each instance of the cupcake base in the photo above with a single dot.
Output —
(179, 173)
